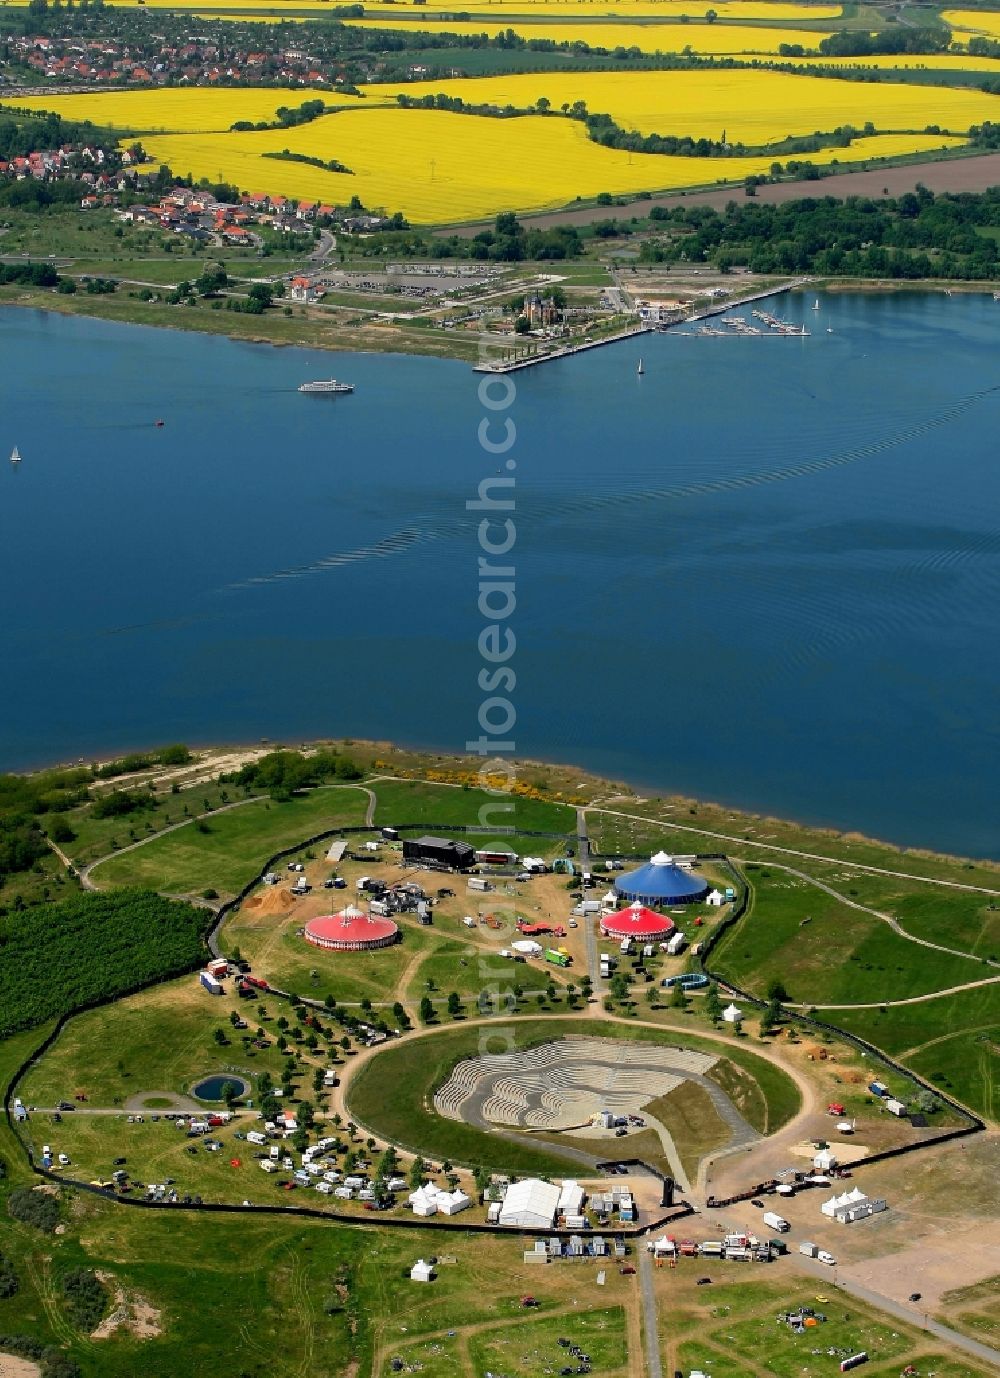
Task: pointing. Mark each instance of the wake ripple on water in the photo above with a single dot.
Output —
(438, 529)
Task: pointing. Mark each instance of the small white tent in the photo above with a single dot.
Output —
(732, 1014)
(422, 1272)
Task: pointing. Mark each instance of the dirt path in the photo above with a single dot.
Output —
(738, 843)
(893, 923)
(913, 1000)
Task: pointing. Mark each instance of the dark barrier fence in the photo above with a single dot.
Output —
(448, 1226)
(862, 1044)
(744, 892)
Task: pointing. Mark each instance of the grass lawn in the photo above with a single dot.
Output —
(415, 801)
(975, 1310)
(684, 825)
(531, 1348)
(953, 1042)
(226, 851)
(826, 952)
(272, 945)
(97, 837)
(393, 1092)
(267, 1280)
(692, 1121)
(468, 969)
(159, 1040)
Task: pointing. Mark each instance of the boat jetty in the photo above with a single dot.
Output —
(739, 325)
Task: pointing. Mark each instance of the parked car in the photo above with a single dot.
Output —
(826, 1258)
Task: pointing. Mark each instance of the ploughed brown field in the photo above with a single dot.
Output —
(957, 174)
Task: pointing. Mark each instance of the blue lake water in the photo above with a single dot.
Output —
(765, 572)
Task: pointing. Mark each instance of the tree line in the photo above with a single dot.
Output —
(917, 235)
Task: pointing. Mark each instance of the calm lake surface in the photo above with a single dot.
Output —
(766, 572)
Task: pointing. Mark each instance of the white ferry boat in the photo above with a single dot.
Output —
(326, 385)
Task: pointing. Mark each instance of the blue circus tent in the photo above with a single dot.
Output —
(661, 881)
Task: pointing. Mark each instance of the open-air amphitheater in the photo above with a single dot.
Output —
(565, 1084)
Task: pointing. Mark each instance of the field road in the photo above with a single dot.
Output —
(911, 1314)
(893, 923)
(84, 872)
(650, 1326)
(912, 1000)
(740, 842)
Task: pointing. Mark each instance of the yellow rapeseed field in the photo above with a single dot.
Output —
(597, 9)
(625, 9)
(753, 107)
(440, 167)
(649, 38)
(190, 111)
(973, 21)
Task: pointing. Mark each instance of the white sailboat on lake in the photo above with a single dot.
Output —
(15, 455)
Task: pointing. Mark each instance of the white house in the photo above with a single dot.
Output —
(422, 1272)
(531, 1204)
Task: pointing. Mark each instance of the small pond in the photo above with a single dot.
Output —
(211, 1087)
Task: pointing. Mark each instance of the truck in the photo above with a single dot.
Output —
(558, 959)
(218, 967)
(478, 883)
(213, 986)
(390, 834)
(773, 1221)
(256, 982)
(878, 1089)
(469, 921)
(809, 1250)
(585, 908)
(677, 943)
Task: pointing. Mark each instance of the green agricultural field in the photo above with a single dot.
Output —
(824, 951)
(159, 1040)
(416, 801)
(393, 1092)
(225, 851)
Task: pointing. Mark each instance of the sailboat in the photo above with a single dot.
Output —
(816, 304)
(15, 455)
(640, 370)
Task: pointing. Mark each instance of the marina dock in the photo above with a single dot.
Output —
(647, 327)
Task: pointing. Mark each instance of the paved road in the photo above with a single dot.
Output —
(650, 1326)
(911, 1314)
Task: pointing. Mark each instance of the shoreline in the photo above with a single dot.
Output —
(639, 792)
(72, 307)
